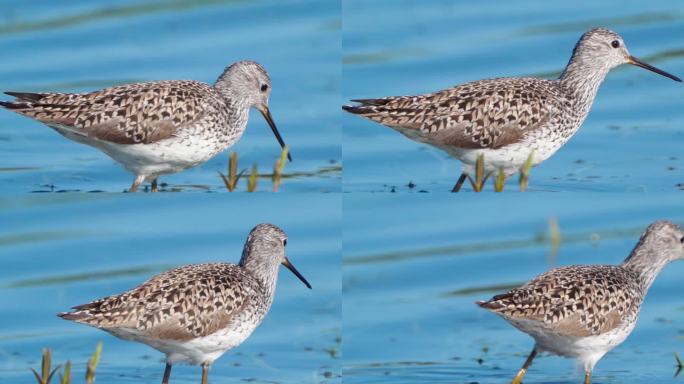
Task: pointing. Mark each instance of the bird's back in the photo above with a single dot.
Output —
(127, 114)
(574, 301)
(181, 304)
(482, 114)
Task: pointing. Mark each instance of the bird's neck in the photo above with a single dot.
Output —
(582, 78)
(237, 110)
(264, 273)
(646, 262)
(232, 92)
(232, 97)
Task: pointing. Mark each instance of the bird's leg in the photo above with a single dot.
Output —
(167, 374)
(205, 372)
(154, 185)
(459, 183)
(587, 377)
(521, 373)
(136, 183)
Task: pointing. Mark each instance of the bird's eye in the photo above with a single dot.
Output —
(615, 44)
(284, 242)
(264, 87)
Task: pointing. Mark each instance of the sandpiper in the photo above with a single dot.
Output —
(158, 127)
(582, 312)
(195, 313)
(506, 120)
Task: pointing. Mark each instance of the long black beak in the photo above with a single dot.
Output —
(294, 270)
(634, 61)
(269, 119)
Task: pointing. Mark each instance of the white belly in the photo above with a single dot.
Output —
(166, 156)
(586, 350)
(163, 157)
(510, 158)
(195, 351)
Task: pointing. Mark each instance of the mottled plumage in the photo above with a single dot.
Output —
(157, 127)
(583, 312)
(576, 301)
(195, 313)
(506, 119)
(180, 304)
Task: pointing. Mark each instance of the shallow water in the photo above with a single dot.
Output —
(66, 250)
(415, 264)
(82, 45)
(630, 141)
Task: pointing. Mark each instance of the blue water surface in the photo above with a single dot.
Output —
(78, 46)
(62, 250)
(631, 140)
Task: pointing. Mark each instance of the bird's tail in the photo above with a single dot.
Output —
(368, 106)
(86, 313)
(395, 112)
(48, 108)
(24, 100)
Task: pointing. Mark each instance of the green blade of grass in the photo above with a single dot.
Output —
(37, 375)
(479, 173)
(46, 363)
(253, 177)
(525, 172)
(278, 169)
(92, 364)
(232, 171)
(500, 181)
(66, 377)
(225, 180)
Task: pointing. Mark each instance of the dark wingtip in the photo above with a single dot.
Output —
(74, 316)
(12, 105)
(374, 102)
(25, 96)
(355, 109)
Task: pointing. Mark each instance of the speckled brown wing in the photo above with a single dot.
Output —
(128, 114)
(183, 303)
(482, 114)
(574, 301)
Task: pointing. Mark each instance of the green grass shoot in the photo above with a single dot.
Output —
(253, 177)
(45, 375)
(278, 169)
(92, 364)
(478, 183)
(65, 378)
(525, 172)
(500, 181)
